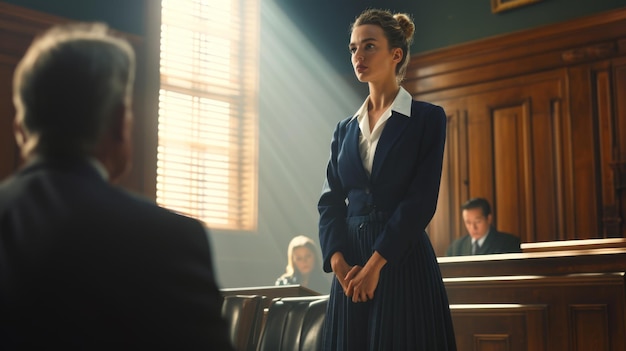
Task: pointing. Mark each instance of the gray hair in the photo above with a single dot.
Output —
(68, 84)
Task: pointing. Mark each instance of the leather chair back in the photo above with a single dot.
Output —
(244, 315)
(294, 324)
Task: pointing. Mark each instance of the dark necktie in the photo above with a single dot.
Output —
(475, 247)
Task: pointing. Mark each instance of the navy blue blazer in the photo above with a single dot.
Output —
(495, 243)
(85, 265)
(404, 183)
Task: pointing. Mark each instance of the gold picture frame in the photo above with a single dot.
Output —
(505, 5)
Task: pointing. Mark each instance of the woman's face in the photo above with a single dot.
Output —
(371, 58)
(303, 259)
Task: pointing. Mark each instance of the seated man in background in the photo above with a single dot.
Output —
(482, 237)
(85, 265)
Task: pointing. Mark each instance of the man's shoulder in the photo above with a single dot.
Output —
(147, 210)
(455, 248)
(459, 241)
(506, 242)
(506, 236)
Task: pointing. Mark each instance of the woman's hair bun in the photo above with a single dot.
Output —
(407, 25)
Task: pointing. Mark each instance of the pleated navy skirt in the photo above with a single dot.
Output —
(409, 310)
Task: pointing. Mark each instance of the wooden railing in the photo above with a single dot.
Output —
(545, 300)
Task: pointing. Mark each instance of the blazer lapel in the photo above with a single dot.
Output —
(489, 241)
(466, 249)
(393, 129)
(351, 147)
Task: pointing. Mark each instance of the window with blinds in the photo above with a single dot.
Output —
(207, 127)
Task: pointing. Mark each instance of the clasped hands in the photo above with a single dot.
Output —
(358, 282)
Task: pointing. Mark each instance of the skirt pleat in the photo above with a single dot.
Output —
(409, 310)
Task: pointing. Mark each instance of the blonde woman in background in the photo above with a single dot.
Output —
(304, 266)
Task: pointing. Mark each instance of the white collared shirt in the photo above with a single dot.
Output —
(368, 141)
(481, 241)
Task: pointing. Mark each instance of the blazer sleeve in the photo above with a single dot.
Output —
(418, 206)
(332, 205)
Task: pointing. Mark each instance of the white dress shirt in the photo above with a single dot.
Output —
(368, 141)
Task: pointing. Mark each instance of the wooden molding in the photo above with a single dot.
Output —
(572, 42)
(505, 5)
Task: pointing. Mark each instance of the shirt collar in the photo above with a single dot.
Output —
(93, 162)
(99, 167)
(401, 104)
(481, 241)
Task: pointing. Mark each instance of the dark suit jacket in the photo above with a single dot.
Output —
(495, 243)
(85, 265)
(404, 183)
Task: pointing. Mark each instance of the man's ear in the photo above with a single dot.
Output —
(27, 142)
(119, 124)
(118, 146)
(19, 132)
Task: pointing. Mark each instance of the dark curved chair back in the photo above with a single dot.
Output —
(244, 315)
(294, 324)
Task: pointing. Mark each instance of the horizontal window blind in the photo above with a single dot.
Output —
(208, 127)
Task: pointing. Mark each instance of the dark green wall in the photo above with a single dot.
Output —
(438, 23)
(124, 15)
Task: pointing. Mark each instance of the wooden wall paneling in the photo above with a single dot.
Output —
(17, 30)
(560, 126)
(517, 54)
(584, 173)
(447, 224)
(524, 165)
(9, 153)
(500, 327)
(512, 129)
(480, 148)
(568, 322)
(601, 72)
(512, 181)
(453, 189)
(543, 163)
(618, 165)
(577, 159)
(589, 327)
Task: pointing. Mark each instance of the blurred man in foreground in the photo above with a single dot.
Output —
(83, 264)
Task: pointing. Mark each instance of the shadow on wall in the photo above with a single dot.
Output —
(302, 97)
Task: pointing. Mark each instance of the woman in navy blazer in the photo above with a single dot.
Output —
(380, 193)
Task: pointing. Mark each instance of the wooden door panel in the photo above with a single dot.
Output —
(446, 224)
(9, 153)
(509, 146)
(510, 138)
(618, 166)
(511, 183)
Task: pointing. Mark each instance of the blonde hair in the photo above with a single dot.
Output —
(297, 242)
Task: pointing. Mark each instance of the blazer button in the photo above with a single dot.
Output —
(367, 190)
